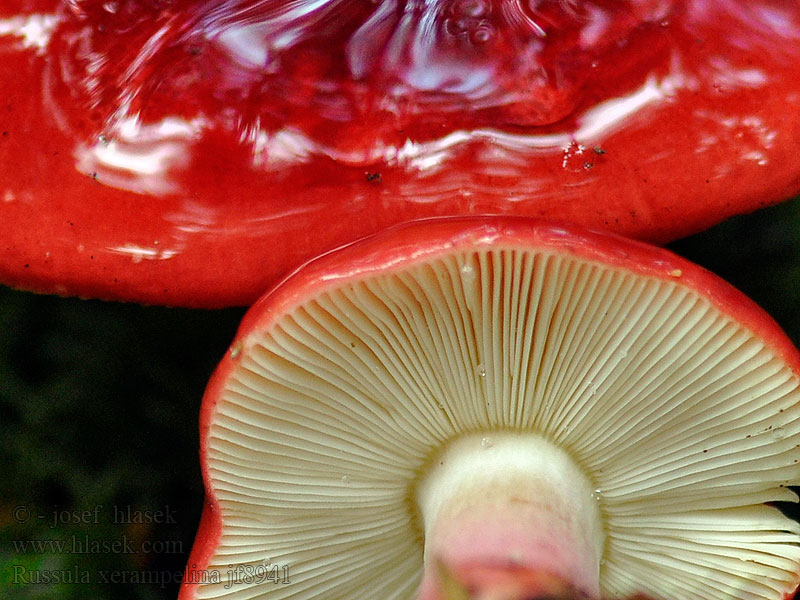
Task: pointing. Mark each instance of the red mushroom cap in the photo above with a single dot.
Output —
(190, 153)
(284, 415)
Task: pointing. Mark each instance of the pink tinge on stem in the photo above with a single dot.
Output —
(502, 583)
(510, 511)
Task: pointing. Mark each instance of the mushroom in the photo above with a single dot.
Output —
(492, 401)
(161, 152)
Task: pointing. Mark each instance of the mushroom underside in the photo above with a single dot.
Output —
(331, 443)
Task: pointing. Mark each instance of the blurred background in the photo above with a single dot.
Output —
(98, 419)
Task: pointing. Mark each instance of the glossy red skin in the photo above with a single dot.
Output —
(407, 244)
(717, 137)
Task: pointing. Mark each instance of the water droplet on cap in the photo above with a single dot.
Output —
(778, 432)
(481, 35)
(597, 494)
(486, 442)
(473, 8)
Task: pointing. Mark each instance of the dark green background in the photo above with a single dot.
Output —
(99, 405)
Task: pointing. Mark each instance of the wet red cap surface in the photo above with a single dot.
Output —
(192, 153)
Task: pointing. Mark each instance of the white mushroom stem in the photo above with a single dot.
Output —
(505, 501)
